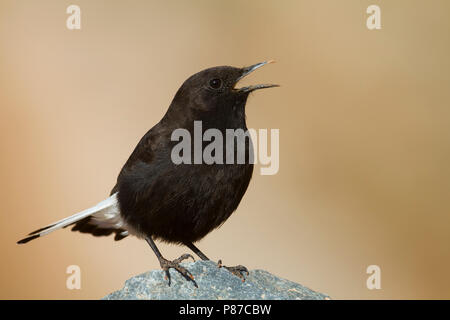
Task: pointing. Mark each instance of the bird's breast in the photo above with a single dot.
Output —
(185, 202)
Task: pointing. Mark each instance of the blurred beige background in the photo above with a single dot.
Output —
(364, 119)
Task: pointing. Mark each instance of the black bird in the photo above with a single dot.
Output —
(154, 198)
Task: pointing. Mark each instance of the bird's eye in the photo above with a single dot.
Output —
(215, 83)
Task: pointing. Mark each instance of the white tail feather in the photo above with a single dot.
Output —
(109, 203)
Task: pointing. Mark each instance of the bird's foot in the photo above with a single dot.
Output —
(175, 264)
(238, 271)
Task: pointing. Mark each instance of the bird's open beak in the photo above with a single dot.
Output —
(247, 70)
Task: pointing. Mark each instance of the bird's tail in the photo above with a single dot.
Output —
(108, 206)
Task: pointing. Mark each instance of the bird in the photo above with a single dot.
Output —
(155, 198)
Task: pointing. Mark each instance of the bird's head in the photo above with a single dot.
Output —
(214, 90)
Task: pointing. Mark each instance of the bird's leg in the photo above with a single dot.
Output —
(238, 271)
(175, 264)
(197, 251)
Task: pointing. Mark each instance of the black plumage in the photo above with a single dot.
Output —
(181, 203)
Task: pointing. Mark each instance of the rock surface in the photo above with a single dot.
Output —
(213, 283)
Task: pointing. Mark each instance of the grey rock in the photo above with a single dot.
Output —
(213, 284)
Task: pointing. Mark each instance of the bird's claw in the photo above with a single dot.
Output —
(184, 257)
(238, 271)
(175, 264)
